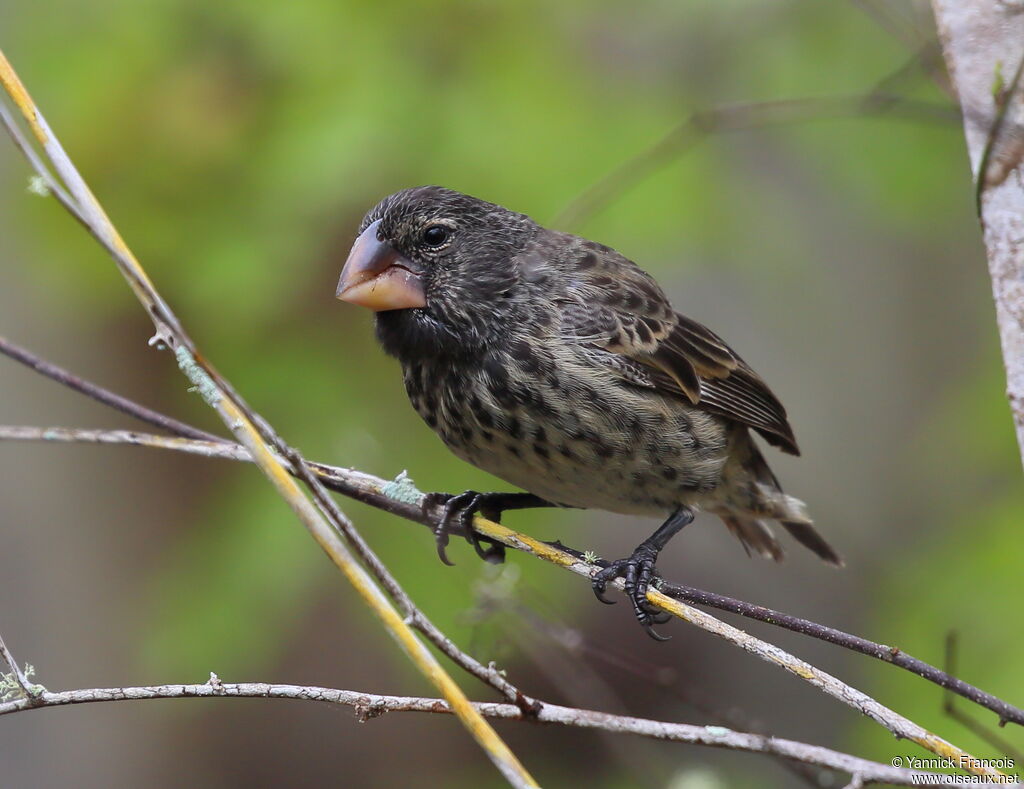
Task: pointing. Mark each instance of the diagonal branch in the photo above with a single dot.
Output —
(105, 396)
(30, 693)
(983, 45)
(325, 524)
(975, 727)
(51, 184)
(217, 448)
(739, 117)
(391, 497)
(402, 498)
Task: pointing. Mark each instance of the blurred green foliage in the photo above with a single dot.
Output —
(236, 145)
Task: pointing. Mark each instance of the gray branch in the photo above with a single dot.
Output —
(371, 705)
(899, 725)
(983, 44)
(19, 679)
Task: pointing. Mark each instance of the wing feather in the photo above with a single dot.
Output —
(619, 308)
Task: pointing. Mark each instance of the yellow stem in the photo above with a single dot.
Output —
(238, 422)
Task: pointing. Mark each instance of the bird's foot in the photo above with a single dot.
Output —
(459, 509)
(638, 573)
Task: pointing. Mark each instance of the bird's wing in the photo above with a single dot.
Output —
(614, 305)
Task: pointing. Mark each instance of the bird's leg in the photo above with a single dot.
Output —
(638, 569)
(461, 507)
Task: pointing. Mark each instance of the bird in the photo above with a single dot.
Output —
(560, 366)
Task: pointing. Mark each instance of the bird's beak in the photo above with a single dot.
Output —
(379, 277)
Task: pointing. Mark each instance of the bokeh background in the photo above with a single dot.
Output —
(237, 145)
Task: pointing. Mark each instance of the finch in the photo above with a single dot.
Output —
(558, 365)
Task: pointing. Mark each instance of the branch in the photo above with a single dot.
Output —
(326, 522)
(208, 444)
(50, 184)
(739, 117)
(1007, 712)
(30, 693)
(105, 396)
(978, 729)
(401, 498)
(389, 496)
(983, 44)
(339, 480)
(371, 705)
(323, 520)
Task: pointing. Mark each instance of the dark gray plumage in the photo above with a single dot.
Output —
(558, 365)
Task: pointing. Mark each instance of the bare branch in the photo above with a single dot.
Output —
(882, 99)
(371, 705)
(888, 16)
(402, 499)
(983, 43)
(888, 654)
(739, 117)
(979, 730)
(408, 504)
(207, 444)
(30, 693)
(105, 396)
(42, 171)
(253, 432)
(328, 524)
(897, 724)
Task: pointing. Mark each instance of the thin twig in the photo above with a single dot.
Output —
(415, 617)
(30, 693)
(739, 117)
(887, 718)
(1003, 102)
(886, 16)
(43, 172)
(371, 705)
(926, 60)
(889, 654)
(253, 432)
(487, 674)
(981, 42)
(388, 496)
(581, 648)
(105, 396)
(408, 504)
(268, 451)
(880, 100)
(949, 707)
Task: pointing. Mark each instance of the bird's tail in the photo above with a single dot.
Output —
(757, 537)
(764, 500)
(754, 535)
(805, 534)
(792, 514)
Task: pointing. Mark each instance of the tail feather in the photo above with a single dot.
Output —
(805, 534)
(754, 534)
(772, 503)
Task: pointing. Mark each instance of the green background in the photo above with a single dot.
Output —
(237, 145)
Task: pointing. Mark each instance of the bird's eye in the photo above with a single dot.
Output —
(435, 235)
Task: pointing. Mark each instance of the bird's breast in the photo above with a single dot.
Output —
(559, 429)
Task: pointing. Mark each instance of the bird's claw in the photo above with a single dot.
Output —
(637, 572)
(600, 585)
(461, 508)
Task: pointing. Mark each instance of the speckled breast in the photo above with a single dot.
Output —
(569, 438)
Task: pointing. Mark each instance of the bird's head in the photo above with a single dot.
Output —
(438, 268)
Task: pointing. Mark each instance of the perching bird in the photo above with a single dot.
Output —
(558, 365)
